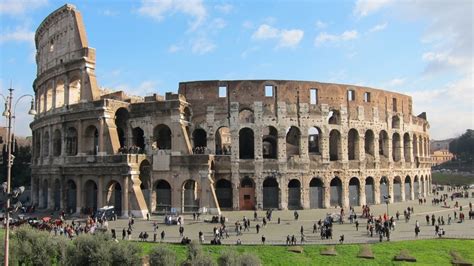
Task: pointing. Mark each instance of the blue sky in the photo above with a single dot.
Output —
(421, 48)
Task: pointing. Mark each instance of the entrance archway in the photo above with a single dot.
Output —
(416, 187)
(90, 197)
(223, 141)
(336, 192)
(224, 193)
(121, 122)
(316, 193)
(71, 196)
(199, 138)
(57, 194)
(383, 188)
(247, 194)
(162, 137)
(397, 189)
(138, 137)
(114, 196)
(407, 188)
(270, 143)
(294, 194)
(354, 194)
(270, 193)
(246, 143)
(145, 178)
(369, 190)
(163, 196)
(190, 199)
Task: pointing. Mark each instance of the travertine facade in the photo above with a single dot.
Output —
(216, 144)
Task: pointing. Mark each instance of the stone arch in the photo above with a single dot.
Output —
(57, 194)
(293, 141)
(384, 188)
(45, 193)
(294, 194)
(396, 147)
(60, 88)
(74, 90)
(138, 138)
(121, 122)
(314, 140)
(354, 191)
(271, 193)
(316, 194)
(46, 144)
(247, 194)
(423, 184)
(406, 147)
(270, 143)
(353, 144)
(71, 141)
(49, 97)
(246, 116)
(162, 137)
(369, 142)
(416, 187)
(163, 196)
(190, 196)
(395, 122)
(57, 143)
(246, 143)
(199, 138)
(334, 145)
(114, 196)
(415, 146)
(223, 141)
(224, 193)
(145, 181)
(334, 117)
(397, 189)
(90, 196)
(407, 187)
(71, 201)
(369, 190)
(336, 192)
(91, 140)
(42, 102)
(383, 143)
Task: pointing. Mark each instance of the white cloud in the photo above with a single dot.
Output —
(286, 38)
(19, 7)
(321, 25)
(365, 7)
(218, 23)
(224, 8)
(378, 27)
(396, 82)
(159, 9)
(202, 46)
(174, 48)
(248, 51)
(20, 34)
(345, 36)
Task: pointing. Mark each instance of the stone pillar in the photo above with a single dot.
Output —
(390, 148)
(361, 147)
(390, 188)
(79, 188)
(327, 193)
(362, 197)
(259, 190)
(402, 186)
(235, 190)
(51, 192)
(376, 147)
(304, 144)
(305, 197)
(345, 193)
(101, 136)
(343, 153)
(79, 137)
(283, 188)
(412, 190)
(101, 201)
(125, 197)
(377, 190)
(66, 91)
(325, 146)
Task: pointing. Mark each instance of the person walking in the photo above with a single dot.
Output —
(357, 224)
(124, 233)
(162, 235)
(258, 228)
(263, 240)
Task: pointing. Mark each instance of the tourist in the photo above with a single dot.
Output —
(357, 224)
(263, 240)
(258, 228)
(341, 239)
(288, 240)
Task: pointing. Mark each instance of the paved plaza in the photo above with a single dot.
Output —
(276, 233)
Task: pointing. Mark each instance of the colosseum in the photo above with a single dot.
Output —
(214, 145)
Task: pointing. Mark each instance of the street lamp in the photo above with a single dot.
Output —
(387, 201)
(11, 115)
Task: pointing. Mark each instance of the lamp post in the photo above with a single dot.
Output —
(10, 116)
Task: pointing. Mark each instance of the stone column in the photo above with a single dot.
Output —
(345, 194)
(305, 197)
(412, 190)
(283, 188)
(390, 149)
(402, 186)
(377, 190)
(101, 136)
(100, 192)
(66, 91)
(259, 190)
(343, 154)
(51, 194)
(125, 196)
(79, 187)
(362, 197)
(324, 145)
(390, 188)
(79, 137)
(361, 147)
(235, 190)
(327, 193)
(376, 147)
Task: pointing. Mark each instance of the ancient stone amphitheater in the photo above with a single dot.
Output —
(215, 145)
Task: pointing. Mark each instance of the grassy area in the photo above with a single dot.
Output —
(427, 252)
(452, 179)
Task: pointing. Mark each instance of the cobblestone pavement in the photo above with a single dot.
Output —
(276, 233)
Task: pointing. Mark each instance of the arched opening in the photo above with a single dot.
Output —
(353, 145)
(121, 122)
(383, 188)
(406, 147)
(224, 193)
(293, 139)
(314, 140)
(383, 144)
(395, 122)
(74, 91)
(408, 188)
(163, 196)
(46, 144)
(246, 116)
(396, 147)
(145, 179)
(369, 190)
(397, 189)
(247, 194)
(246, 143)
(71, 141)
(334, 145)
(42, 102)
(334, 117)
(416, 187)
(57, 194)
(90, 197)
(223, 141)
(336, 192)
(37, 144)
(45, 193)
(190, 198)
(316, 193)
(49, 98)
(57, 142)
(59, 93)
(415, 147)
(91, 140)
(270, 193)
(270, 143)
(369, 142)
(162, 137)
(114, 196)
(71, 196)
(354, 191)
(294, 194)
(138, 137)
(423, 184)
(199, 139)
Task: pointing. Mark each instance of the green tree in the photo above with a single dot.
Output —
(463, 146)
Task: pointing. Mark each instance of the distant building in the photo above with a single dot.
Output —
(437, 145)
(441, 156)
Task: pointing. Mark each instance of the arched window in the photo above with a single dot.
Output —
(369, 142)
(59, 93)
(396, 147)
(121, 122)
(246, 143)
(246, 116)
(57, 141)
(406, 147)
(199, 139)
(314, 140)
(162, 137)
(91, 140)
(138, 137)
(395, 122)
(334, 145)
(353, 144)
(293, 139)
(71, 141)
(270, 143)
(75, 91)
(46, 144)
(334, 117)
(223, 141)
(383, 143)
